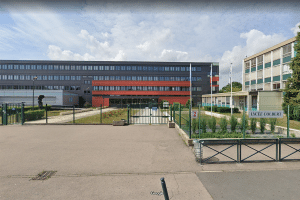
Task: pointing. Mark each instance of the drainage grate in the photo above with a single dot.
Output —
(44, 175)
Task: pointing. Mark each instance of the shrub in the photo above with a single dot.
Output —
(253, 125)
(293, 135)
(194, 125)
(244, 123)
(203, 125)
(212, 124)
(272, 122)
(223, 124)
(233, 123)
(262, 122)
(33, 115)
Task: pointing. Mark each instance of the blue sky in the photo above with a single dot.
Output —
(196, 31)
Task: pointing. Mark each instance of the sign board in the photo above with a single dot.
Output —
(154, 108)
(166, 104)
(194, 114)
(266, 114)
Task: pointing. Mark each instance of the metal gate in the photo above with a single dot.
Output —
(148, 114)
(12, 113)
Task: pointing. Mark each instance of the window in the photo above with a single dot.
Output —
(155, 69)
(123, 78)
(78, 67)
(33, 67)
(16, 66)
(112, 68)
(50, 87)
(62, 78)
(39, 67)
(123, 68)
(177, 69)
(167, 78)
(106, 68)
(73, 67)
(78, 78)
(177, 78)
(61, 67)
(117, 88)
(118, 68)
(112, 78)
(139, 78)
(45, 67)
(50, 67)
(161, 78)
(106, 78)
(128, 78)
(56, 78)
(194, 78)
(100, 87)
(155, 78)
(122, 87)
(199, 78)
(73, 78)
(21, 67)
(134, 78)
(4, 77)
(193, 69)
(16, 77)
(150, 78)
(150, 68)
(128, 68)
(150, 88)
(172, 69)
(145, 78)
(139, 68)
(276, 86)
(50, 77)
(44, 77)
(67, 67)
(167, 69)
(199, 88)
(90, 67)
(5, 66)
(118, 78)
(161, 68)
(10, 67)
(55, 67)
(95, 87)
(55, 87)
(198, 69)
(67, 78)
(133, 68)
(183, 69)
(22, 77)
(10, 77)
(101, 78)
(111, 87)
(95, 78)
(172, 78)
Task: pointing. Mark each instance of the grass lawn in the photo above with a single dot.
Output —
(107, 117)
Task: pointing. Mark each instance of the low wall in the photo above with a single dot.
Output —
(184, 136)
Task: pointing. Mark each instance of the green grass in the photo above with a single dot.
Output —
(107, 117)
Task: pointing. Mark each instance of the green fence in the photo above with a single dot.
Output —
(12, 113)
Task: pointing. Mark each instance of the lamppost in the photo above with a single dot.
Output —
(34, 78)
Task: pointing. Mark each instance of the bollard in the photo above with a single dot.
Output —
(164, 187)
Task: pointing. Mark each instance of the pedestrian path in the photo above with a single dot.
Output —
(69, 117)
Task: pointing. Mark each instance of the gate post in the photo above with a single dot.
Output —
(22, 114)
(199, 124)
(190, 122)
(180, 115)
(171, 112)
(4, 114)
(100, 113)
(128, 114)
(73, 114)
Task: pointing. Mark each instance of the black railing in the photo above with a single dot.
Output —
(247, 150)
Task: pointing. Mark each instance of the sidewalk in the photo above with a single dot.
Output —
(69, 118)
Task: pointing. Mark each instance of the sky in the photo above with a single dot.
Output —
(189, 31)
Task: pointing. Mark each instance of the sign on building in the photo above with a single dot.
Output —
(166, 104)
(266, 114)
(194, 114)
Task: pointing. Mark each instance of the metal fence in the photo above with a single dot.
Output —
(247, 150)
(12, 113)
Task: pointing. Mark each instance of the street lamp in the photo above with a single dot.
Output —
(34, 78)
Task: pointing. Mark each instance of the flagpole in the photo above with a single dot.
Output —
(191, 85)
(231, 88)
(211, 90)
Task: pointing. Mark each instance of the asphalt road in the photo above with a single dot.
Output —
(279, 184)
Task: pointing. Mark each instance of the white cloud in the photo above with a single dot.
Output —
(173, 56)
(296, 29)
(55, 53)
(256, 41)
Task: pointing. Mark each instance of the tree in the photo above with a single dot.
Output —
(236, 86)
(292, 93)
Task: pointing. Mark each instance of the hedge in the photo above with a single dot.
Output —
(221, 109)
(33, 115)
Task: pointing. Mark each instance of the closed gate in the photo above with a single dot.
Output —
(12, 113)
(148, 114)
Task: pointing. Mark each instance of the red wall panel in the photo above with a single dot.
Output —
(140, 92)
(181, 100)
(142, 83)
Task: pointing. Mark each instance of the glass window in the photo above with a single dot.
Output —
(50, 67)
(73, 67)
(22, 77)
(10, 67)
(161, 88)
(96, 68)
(155, 78)
(67, 78)
(16, 66)
(62, 87)
(133, 68)
(55, 67)
(78, 78)
(194, 78)
(128, 68)
(145, 88)
(183, 69)
(101, 68)
(33, 67)
(67, 67)
(155, 88)
(139, 78)
(111, 87)
(172, 78)
(193, 69)
(101, 78)
(187, 69)
(84, 67)
(112, 68)
(16, 77)
(39, 67)
(134, 78)
(122, 87)
(5, 66)
(139, 68)
(172, 69)
(10, 77)
(95, 78)
(123, 78)
(118, 68)
(161, 68)
(62, 78)
(73, 78)
(150, 68)
(78, 67)
(167, 69)
(50, 77)
(167, 78)
(123, 68)
(112, 78)
(118, 78)
(45, 67)
(177, 78)
(198, 69)
(177, 69)
(117, 88)
(56, 78)
(55, 87)
(145, 78)
(128, 78)
(39, 77)
(145, 68)
(199, 78)
(155, 69)
(4, 77)
(21, 67)
(150, 78)
(106, 68)
(45, 77)
(167, 88)
(95, 87)
(182, 78)
(199, 88)
(150, 88)
(100, 87)
(133, 88)
(161, 78)
(90, 67)
(106, 78)
(50, 87)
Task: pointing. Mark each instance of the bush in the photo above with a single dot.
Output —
(245, 124)
(33, 115)
(212, 124)
(223, 124)
(262, 122)
(176, 106)
(203, 125)
(253, 125)
(272, 122)
(233, 123)
(194, 125)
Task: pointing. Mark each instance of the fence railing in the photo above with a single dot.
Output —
(247, 150)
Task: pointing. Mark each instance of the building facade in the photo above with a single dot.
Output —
(269, 69)
(110, 83)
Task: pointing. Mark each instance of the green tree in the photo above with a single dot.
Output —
(236, 86)
(188, 103)
(292, 88)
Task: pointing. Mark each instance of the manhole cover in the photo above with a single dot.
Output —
(44, 175)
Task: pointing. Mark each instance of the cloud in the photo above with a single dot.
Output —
(173, 56)
(256, 41)
(55, 53)
(296, 29)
